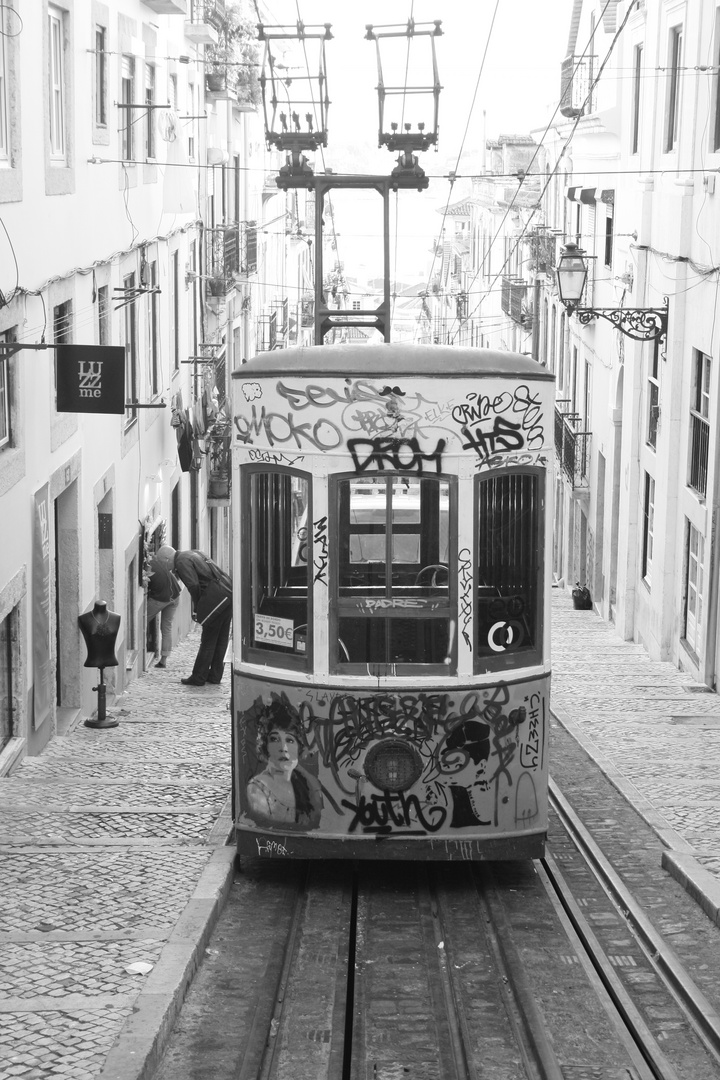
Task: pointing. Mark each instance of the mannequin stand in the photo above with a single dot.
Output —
(103, 720)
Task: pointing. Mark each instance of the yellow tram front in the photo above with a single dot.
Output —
(392, 588)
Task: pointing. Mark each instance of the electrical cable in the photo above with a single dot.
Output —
(561, 155)
(462, 143)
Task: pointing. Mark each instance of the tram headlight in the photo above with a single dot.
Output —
(393, 765)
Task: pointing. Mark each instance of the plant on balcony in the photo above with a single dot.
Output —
(232, 65)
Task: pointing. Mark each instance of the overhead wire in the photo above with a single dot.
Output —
(464, 137)
(550, 176)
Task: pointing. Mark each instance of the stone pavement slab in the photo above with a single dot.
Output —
(653, 731)
(112, 855)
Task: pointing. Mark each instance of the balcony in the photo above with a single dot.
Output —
(231, 252)
(576, 80)
(217, 449)
(267, 332)
(572, 447)
(514, 301)
(204, 22)
(167, 7)
(282, 314)
(221, 259)
(307, 310)
(542, 250)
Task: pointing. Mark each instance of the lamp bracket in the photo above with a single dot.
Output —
(640, 324)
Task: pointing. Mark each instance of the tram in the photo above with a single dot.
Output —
(391, 673)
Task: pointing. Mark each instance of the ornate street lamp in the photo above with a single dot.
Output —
(640, 324)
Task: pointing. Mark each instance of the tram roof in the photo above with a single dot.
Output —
(445, 361)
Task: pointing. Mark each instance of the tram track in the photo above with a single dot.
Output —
(447, 972)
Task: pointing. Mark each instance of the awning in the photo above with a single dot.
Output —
(581, 194)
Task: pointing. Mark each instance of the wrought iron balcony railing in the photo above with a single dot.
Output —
(572, 447)
(699, 449)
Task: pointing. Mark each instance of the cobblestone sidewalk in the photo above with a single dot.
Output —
(653, 731)
(110, 841)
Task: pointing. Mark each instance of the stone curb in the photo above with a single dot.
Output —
(679, 859)
(667, 835)
(703, 886)
(144, 1037)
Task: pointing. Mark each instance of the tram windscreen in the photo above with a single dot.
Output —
(509, 568)
(394, 583)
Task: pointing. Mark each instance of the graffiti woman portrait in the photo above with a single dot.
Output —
(283, 793)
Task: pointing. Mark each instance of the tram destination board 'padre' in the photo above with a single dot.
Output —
(391, 668)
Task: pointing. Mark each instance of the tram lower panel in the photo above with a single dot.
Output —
(441, 773)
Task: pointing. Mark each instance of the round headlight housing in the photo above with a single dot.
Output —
(393, 765)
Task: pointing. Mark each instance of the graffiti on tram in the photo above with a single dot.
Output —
(391, 429)
(393, 763)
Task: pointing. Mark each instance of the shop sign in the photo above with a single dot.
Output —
(90, 378)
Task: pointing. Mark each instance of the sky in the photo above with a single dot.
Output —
(499, 69)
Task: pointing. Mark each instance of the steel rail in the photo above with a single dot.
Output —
(538, 1055)
(700, 1012)
(258, 1059)
(641, 1037)
(456, 1018)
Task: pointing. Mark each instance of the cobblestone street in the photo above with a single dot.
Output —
(112, 842)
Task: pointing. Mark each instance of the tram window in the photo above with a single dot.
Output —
(509, 570)
(396, 605)
(278, 615)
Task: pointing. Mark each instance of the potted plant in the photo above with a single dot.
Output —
(233, 64)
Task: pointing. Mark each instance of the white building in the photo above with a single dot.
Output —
(122, 183)
(631, 171)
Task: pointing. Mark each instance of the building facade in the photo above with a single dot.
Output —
(137, 214)
(631, 164)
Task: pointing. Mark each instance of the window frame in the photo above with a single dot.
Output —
(103, 315)
(57, 120)
(5, 393)
(692, 634)
(637, 97)
(127, 91)
(653, 397)
(4, 96)
(699, 435)
(672, 108)
(100, 76)
(150, 93)
(511, 660)
(648, 541)
(342, 607)
(130, 330)
(251, 653)
(715, 91)
(153, 329)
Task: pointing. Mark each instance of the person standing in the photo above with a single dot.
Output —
(163, 593)
(211, 594)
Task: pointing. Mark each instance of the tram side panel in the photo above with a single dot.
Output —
(336, 758)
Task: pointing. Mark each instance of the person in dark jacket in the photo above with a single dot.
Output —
(163, 593)
(195, 571)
